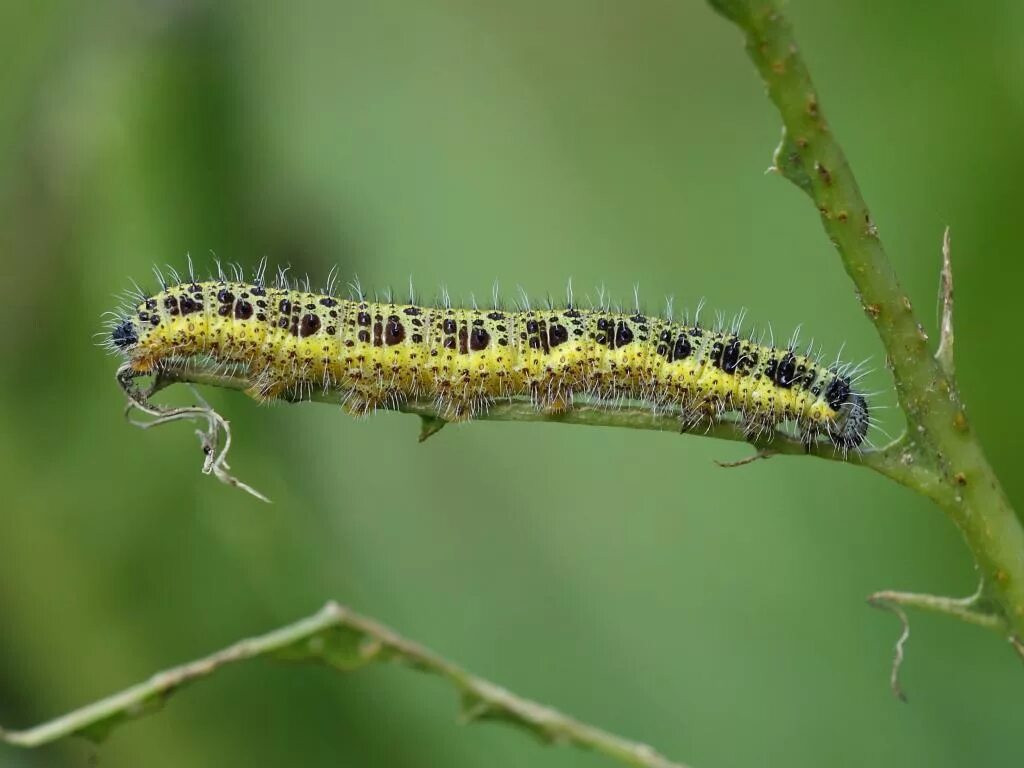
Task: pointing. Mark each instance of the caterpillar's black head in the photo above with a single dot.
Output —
(851, 427)
(124, 335)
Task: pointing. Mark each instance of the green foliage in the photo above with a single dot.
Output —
(715, 613)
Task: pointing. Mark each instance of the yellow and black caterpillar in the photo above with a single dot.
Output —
(377, 354)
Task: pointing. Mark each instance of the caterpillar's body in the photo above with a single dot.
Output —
(378, 354)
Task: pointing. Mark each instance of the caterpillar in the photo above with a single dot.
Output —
(286, 339)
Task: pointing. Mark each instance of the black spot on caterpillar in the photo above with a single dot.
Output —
(286, 340)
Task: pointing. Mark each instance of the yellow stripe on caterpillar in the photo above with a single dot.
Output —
(377, 354)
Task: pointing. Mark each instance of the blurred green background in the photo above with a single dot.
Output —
(617, 575)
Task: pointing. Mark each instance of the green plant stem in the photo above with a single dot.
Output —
(345, 641)
(890, 460)
(942, 441)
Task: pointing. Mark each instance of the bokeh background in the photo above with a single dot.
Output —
(620, 576)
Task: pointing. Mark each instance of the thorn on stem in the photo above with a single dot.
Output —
(944, 354)
(787, 162)
(429, 426)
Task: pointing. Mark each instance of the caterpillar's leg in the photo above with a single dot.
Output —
(360, 402)
(757, 426)
(811, 434)
(555, 403)
(266, 388)
(698, 416)
(550, 394)
(462, 408)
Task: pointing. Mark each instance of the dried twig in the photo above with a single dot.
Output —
(975, 609)
(214, 452)
(760, 455)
